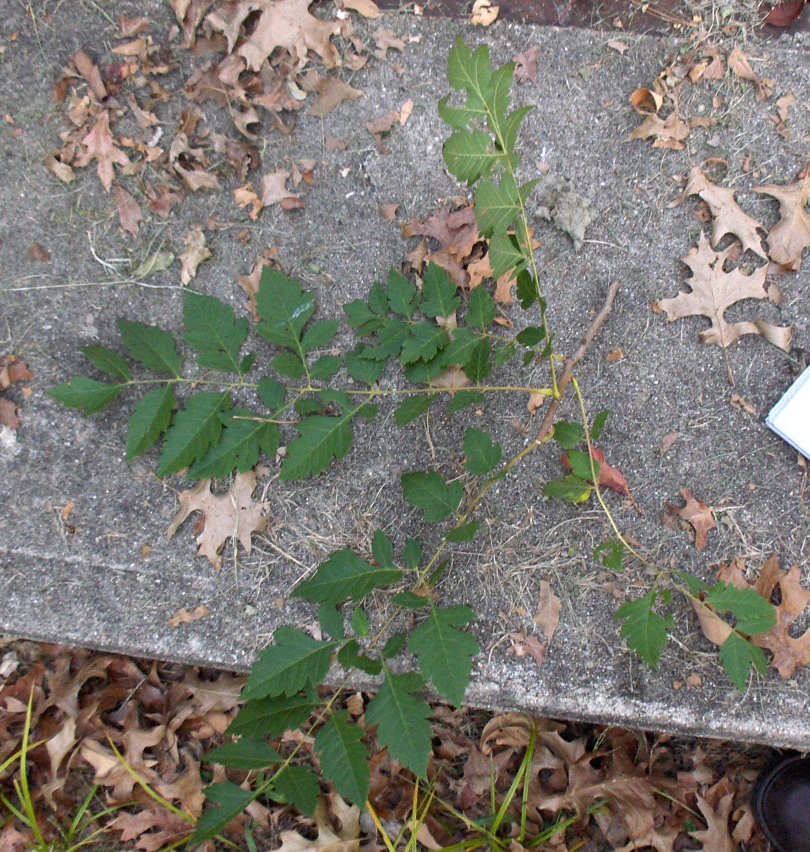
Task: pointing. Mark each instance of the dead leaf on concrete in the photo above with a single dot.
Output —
(184, 616)
(714, 290)
(484, 14)
(58, 169)
(387, 40)
(129, 212)
(250, 283)
(549, 607)
(729, 217)
(524, 644)
(232, 515)
(366, 8)
(332, 91)
(668, 442)
(790, 236)
(696, 513)
(100, 146)
(526, 65)
(195, 252)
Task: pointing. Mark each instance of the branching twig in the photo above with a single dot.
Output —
(571, 362)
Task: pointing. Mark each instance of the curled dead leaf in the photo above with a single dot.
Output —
(696, 513)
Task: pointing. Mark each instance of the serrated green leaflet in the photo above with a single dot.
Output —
(464, 399)
(644, 630)
(478, 366)
(483, 454)
(149, 420)
(402, 721)
(610, 554)
(496, 205)
(754, 614)
(288, 364)
(361, 318)
(470, 154)
(350, 657)
(319, 334)
(330, 620)
(108, 361)
(469, 71)
(429, 492)
(599, 425)
(344, 758)
(300, 787)
(230, 801)
(409, 600)
(411, 408)
(88, 395)
(466, 532)
(531, 336)
(570, 488)
(151, 346)
(292, 663)
(445, 653)
(439, 297)
(212, 329)
(271, 392)
(737, 655)
(345, 576)
(324, 368)
(196, 428)
(360, 622)
(505, 254)
(459, 117)
(412, 553)
(481, 309)
(423, 341)
(461, 347)
(401, 294)
(271, 717)
(321, 439)
(241, 443)
(581, 466)
(382, 549)
(568, 435)
(248, 753)
(390, 338)
(363, 369)
(284, 308)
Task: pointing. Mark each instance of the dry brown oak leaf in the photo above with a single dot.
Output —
(99, 145)
(728, 216)
(697, 514)
(714, 291)
(233, 515)
(790, 236)
(280, 23)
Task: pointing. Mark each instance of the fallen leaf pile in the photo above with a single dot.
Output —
(260, 69)
(162, 719)
(785, 590)
(715, 285)
(232, 515)
(661, 104)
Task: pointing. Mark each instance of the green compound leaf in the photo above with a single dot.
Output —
(483, 454)
(599, 425)
(284, 309)
(345, 576)
(360, 623)
(505, 254)
(299, 785)
(570, 488)
(409, 600)
(271, 392)
(324, 368)
(464, 399)
(402, 721)
(461, 347)
(361, 318)
(413, 407)
(401, 294)
(88, 395)
(509, 131)
(230, 801)
(737, 655)
(479, 366)
(212, 329)
(610, 554)
(196, 428)
(321, 440)
(496, 205)
(531, 336)
(469, 155)
(444, 652)
(271, 717)
(248, 753)
(754, 614)
(481, 309)
(241, 443)
(439, 297)
(429, 492)
(412, 553)
(644, 629)
(460, 117)
(151, 346)
(423, 341)
(344, 758)
(149, 420)
(390, 338)
(292, 663)
(288, 364)
(568, 435)
(108, 361)
(382, 549)
(363, 369)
